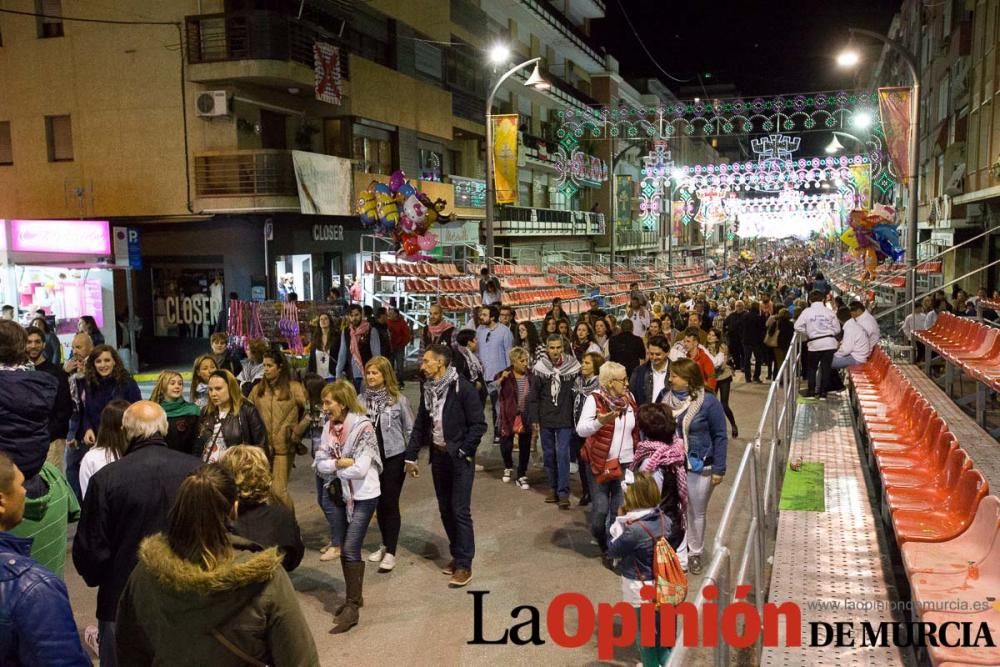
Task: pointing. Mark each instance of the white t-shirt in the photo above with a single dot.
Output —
(659, 381)
(92, 461)
(217, 444)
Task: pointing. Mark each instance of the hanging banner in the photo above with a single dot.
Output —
(324, 182)
(505, 158)
(326, 59)
(894, 108)
(624, 192)
(861, 176)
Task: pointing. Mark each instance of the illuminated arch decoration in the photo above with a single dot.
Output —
(791, 213)
(655, 171)
(802, 172)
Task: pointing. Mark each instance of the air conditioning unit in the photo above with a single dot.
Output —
(211, 103)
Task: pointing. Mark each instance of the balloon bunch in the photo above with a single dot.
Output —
(400, 211)
(872, 236)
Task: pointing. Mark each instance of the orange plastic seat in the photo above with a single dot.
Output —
(972, 655)
(936, 494)
(900, 472)
(944, 522)
(954, 555)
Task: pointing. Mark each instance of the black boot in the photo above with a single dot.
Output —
(354, 579)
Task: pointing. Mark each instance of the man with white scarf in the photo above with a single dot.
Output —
(550, 414)
(451, 423)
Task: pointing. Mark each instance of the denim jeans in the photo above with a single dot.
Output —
(107, 649)
(651, 656)
(555, 455)
(605, 499)
(352, 533)
(453, 479)
(329, 511)
(399, 363)
(843, 362)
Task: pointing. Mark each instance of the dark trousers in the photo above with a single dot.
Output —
(523, 452)
(757, 351)
(453, 479)
(74, 456)
(818, 372)
(722, 388)
(388, 516)
(736, 350)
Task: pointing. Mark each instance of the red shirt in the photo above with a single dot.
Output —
(707, 368)
(399, 333)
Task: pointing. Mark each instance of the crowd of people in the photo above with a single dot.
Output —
(189, 490)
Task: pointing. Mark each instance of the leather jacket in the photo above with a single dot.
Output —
(244, 427)
(36, 622)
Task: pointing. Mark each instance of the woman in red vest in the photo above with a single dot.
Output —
(608, 422)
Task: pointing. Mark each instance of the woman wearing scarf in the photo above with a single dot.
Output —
(608, 422)
(467, 362)
(348, 459)
(702, 423)
(550, 413)
(357, 346)
(583, 340)
(661, 454)
(601, 336)
(514, 385)
(182, 416)
(586, 384)
(390, 412)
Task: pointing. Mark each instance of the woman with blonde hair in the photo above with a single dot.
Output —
(203, 367)
(228, 419)
(284, 407)
(348, 460)
(392, 417)
(182, 416)
(260, 516)
(200, 595)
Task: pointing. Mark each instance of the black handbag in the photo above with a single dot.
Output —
(335, 491)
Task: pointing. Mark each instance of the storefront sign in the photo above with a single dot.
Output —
(457, 233)
(328, 232)
(193, 310)
(71, 237)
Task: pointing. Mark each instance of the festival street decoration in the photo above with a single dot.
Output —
(576, 169)
(773, 153)
(505, 138)
(894, 108)
(656, 169)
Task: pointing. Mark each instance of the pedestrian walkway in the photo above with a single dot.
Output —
(829, 559)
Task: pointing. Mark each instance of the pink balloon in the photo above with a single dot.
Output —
(427, 241)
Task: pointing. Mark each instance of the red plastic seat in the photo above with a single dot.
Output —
(944, 522)
(934, 494)
(954, 555)
(900, 472)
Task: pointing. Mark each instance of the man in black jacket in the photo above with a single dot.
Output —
(451, 423)
(127, 501)
(550, 414)
(651, 379)
(63, 408)
(626, 348)
(733, 326)
(753, 341)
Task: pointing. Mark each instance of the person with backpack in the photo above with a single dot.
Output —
(642, 542)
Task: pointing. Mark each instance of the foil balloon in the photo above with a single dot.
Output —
(382, 188)
(849, 239)
(409, 244)
(367, 209)
(407, 190)
(407, 224)
(387, 208)
(415, 210)
(397, 180)
(427, 241)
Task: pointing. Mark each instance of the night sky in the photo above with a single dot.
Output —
(764, 48)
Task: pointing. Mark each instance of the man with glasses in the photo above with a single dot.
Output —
(494, 341)
(549, 406)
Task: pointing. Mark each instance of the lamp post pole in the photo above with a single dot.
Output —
(914, 147)
(490, 189)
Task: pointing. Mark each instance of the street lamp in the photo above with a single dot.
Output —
(498, 55)
(851, 58)
(834, 146)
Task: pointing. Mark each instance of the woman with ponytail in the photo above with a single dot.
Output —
(200, 595)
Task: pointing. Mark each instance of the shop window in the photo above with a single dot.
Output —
(187, 301)
(6, 150)
(50, 22)
(59, 138)
(430, 165)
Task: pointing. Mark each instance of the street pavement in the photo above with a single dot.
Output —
(527, 552)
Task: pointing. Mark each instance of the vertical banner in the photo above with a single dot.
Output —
(623, 207)
(894, 109)
(326, 63)
(861, 174)
(505, 158)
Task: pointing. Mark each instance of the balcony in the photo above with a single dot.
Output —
(524, 221)
(245, 179)
(259, 47)
(570, 36)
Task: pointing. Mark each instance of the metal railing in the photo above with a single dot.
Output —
(244, 173)
(758, 479)
(251, 36)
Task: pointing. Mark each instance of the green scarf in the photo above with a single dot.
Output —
(180, 408)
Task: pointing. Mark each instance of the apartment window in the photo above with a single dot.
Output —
(59, 138)
(373, 149)
(50, 20)
(430, 165)
(464, 71)
(939, 173)
(6, 152)
(372, 37)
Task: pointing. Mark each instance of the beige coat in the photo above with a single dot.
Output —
(286, 420)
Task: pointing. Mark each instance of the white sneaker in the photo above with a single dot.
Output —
(523, 483)
(507, 472)
(332, 553)
(378, 555)
(573, 468)
(480, 468)
(388, 562)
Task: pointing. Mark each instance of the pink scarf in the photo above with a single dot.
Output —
(436, 330)
(356, 334)
(653, 454)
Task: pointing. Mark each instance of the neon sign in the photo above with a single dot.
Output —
(70, 237)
